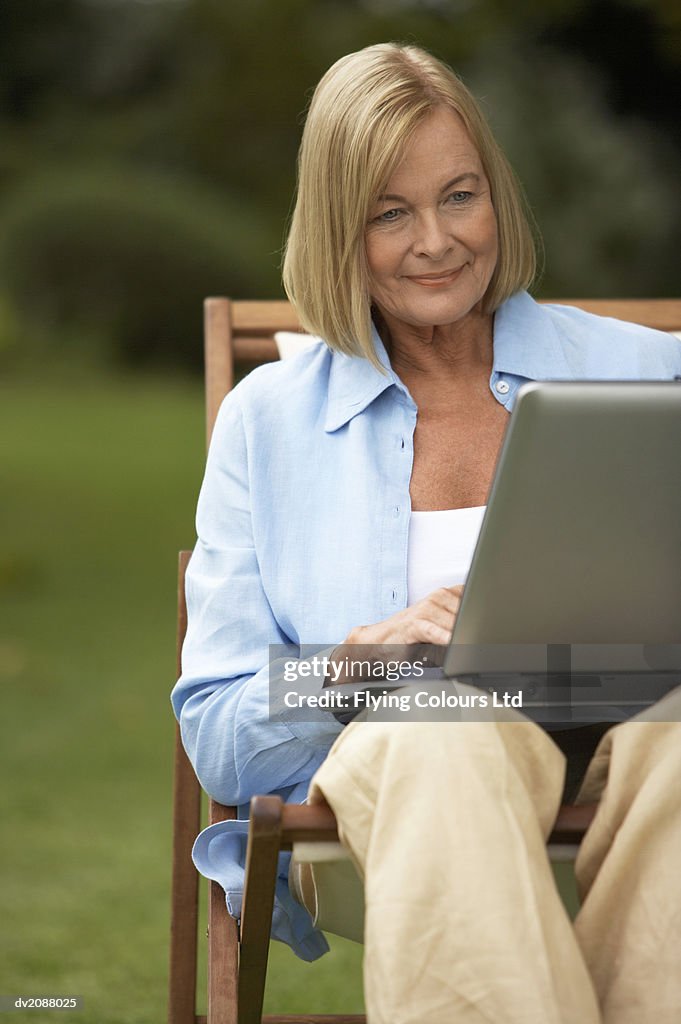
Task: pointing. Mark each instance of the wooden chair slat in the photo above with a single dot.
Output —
(251, 349)
(218, 357)
(264, 318)
(661, 314)
(184, 911)
(303, 823)
(572, 822)
(223, 942)
(269, 315)
(223, 959)
(264, 844)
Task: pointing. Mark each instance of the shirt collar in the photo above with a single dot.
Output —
(354, 383)
(526, 344)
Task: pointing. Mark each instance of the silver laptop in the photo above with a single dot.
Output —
(575, 583)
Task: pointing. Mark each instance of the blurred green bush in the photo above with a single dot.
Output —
(605, 191)
(112, 263)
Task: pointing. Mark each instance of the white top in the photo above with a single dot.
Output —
(441, 546)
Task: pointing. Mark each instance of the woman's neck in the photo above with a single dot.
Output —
(449, 352)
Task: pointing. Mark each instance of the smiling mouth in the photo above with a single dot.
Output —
(435, 280)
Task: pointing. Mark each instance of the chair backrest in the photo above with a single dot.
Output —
(243, 332)
(234, 332)
(239, 332)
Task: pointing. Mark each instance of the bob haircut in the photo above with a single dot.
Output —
(361, 116)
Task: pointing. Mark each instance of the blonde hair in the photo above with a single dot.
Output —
(361, 116)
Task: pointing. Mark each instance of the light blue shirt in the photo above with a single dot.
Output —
(303, 523)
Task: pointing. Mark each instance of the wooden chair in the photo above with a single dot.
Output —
(237, 952)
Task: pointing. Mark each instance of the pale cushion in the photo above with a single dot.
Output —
(334, 893)
(291, 343)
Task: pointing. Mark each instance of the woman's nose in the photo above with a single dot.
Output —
(431, 236)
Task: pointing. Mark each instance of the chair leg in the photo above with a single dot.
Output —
(223, 943)
(223, 959)
(185, 890)
(264, 841)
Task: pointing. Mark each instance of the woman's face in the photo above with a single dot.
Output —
(431, 240)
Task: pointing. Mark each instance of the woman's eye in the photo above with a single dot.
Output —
(456, 198)
(388, 216)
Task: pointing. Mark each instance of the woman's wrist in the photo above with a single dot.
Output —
(339, 655)
(347, 664)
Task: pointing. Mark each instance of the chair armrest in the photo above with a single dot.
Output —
(572, 822)
(306, 823)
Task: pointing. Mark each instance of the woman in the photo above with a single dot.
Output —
(327, 480)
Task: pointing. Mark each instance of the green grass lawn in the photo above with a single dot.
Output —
(99, 481)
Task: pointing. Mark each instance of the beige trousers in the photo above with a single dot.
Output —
(446, 823)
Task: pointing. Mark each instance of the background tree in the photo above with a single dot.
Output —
(177, 123)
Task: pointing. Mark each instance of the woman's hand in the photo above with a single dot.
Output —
(429, 621)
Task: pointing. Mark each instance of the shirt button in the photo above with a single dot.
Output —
(502, 387)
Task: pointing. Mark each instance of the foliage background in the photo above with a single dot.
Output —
(147, 158)
(148, 149)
